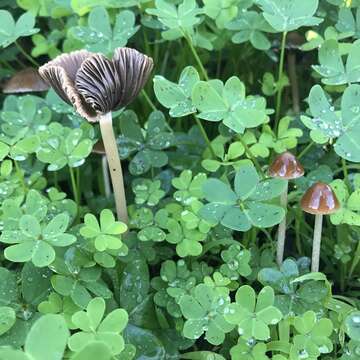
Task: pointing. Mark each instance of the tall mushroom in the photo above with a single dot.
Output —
(285, 167)
(96, 86)
(319, 200)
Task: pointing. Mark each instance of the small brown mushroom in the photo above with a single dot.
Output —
(285, 167)
(96, 86)
(319, 200)
(26, 80)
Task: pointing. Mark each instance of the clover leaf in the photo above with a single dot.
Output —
(251, 26)
(222, 11)
(61, 146)
(288, 15)
(177, 20)
(204, 313)
(331, 66)
(35, 240)
(106, 233)
(352, 351)
(352, 326)
(236, 262)
(246, 206)
(147, 192)
(94, 327)
(349, 213)
(252, 314)
(328, 124)
(228, 103)
(147, 144)
(348, 23)
(313, 337)
(177, 96)
(11, 31)
(249, 350)
(98, 36)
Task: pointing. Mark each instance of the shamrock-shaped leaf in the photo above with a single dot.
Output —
(251, 26)
(352, 325)
(11, 31)
(147, 192)
(222, 11)
(98, 36)
(246, 206)
(8, 317)
(331, 66)
(228, 103)
(177, 20)
(106, 234)
(236, 262)
(177, 97)
(348, 23)
(62, 146)
(312, 337)
(94, 327)
(148, 148)
(253, 315)
(204, 310)
(328, 124)
(249, 350)
(35, 240)
(288, 15)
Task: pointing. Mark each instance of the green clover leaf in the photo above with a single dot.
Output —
(222, 11)
(348, 23)
(94, 327)
(252, 314)
(147, 192)
(236, 262)
(98, 36)
(228, 103)
(11, 31)
(106, 233)
(288, 15)
(204, 311)
(246, 206)
(352, 326)
(249, 350)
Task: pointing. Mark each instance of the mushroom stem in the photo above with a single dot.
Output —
(105, 171)
(315, 258)
(282, 228)
(113, 159)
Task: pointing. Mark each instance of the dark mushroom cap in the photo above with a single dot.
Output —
(96, 85)
(286, 166)
(23, 81)
(320, 199)
(99, 148)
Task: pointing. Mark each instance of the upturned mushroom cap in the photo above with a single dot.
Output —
(26, 80)
(320, 199)
(95, 85)
(286, 167)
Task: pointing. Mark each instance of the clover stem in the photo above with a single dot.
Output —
(106, 179)
(315, 258)
(252, 157)
(113, 159)
(196, 56)
(20, 175)
(148, 100)
(204, 135)
(282, 228)
(345, 172)
(293, 81)
(21, 49)
(279, 93)
(74, 189)
(305, 150)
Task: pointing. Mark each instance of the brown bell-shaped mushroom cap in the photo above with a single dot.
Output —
(26, 80)
(286, 166)
(96, 85)
(320, 199)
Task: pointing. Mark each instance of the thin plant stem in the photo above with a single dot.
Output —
(217, 242)
(348, 167)
(204, 135)
(74, 189)
(112, 155)
(196, 56)
(315, 257)
(355, 261)
(281, 69)
(21, 49)
(297, 231)
(345, 172)
(291, 61)
(148, 100)
(56, 179)
(20, 175)
(305, 150)
(252, 157)
(280, 245)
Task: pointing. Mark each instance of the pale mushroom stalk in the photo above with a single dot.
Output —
(113, 159)
(315, 257)
(105, 171)
(280, 245)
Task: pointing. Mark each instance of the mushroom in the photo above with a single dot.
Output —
(100, 150)
(26, 80)
(286, 167)
(319, 200)
(96, 86)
